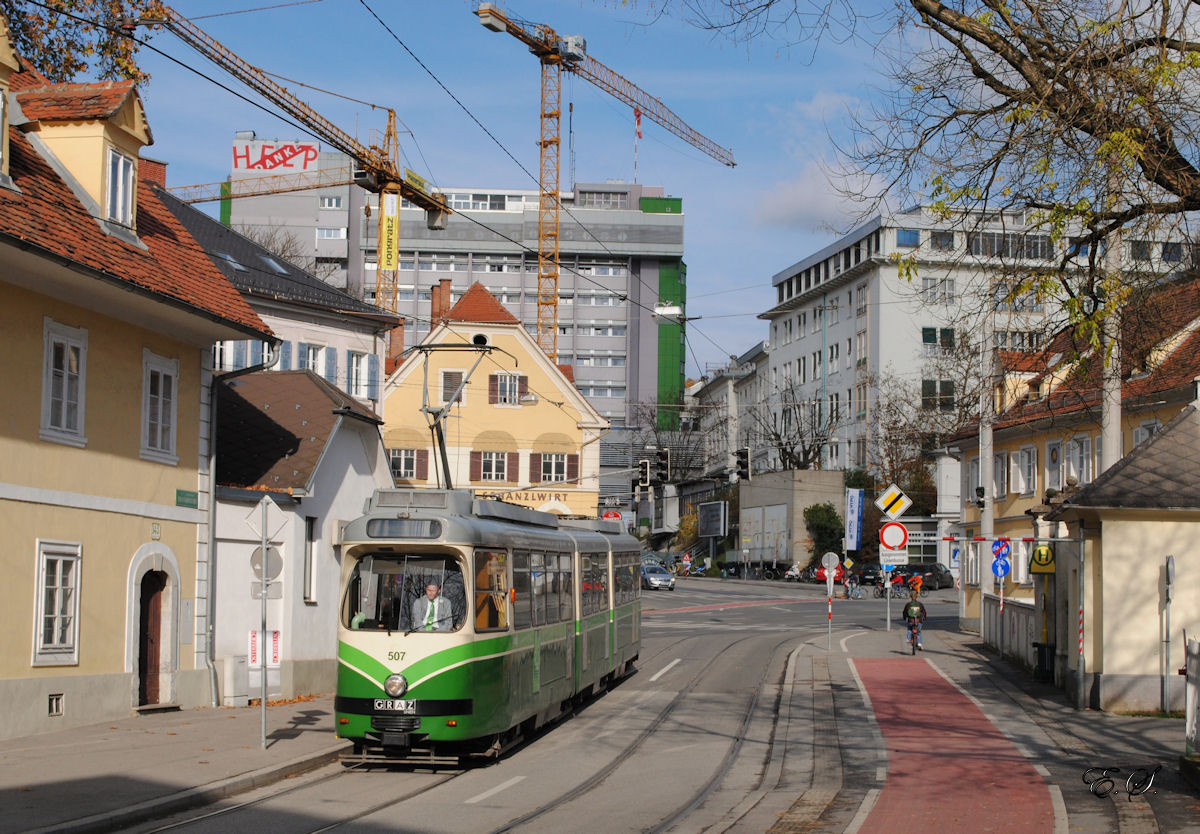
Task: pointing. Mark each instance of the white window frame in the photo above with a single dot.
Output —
(1021, 553)
(159, 414)
(64, 652)
(508, 388)
(403, 463)
(554, 468)
(71, 338)
(314, 359)
(357, 381)
(445, 391)
(331, 233)
(493, 466)
(1145, 431)
(312, 540)
(1077, 459)
(330, 201)
(119, 188)
(1023, 470)
(999, 475)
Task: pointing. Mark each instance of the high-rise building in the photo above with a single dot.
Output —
(893, 300)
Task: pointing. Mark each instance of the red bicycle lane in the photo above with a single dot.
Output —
(949, 768)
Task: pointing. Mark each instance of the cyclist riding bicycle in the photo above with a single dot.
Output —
(914, 583)
(914, 616)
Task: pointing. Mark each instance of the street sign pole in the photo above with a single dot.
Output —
(262, 653)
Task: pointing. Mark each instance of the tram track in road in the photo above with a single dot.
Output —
(597, 779)
(224, 817)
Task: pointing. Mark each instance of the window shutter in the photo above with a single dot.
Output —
(422, 465)
(476, 466)
(331, 366)
(512, 468)
(572, 467)
(1016, 479)
(493, 389)
(301, 356)
(285, 356)
(373, 376)
(239, 355)
(535, 467)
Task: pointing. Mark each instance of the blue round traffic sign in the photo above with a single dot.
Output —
(1000, 567)
(1001, 549)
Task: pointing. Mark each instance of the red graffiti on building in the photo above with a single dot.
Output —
(289, 156)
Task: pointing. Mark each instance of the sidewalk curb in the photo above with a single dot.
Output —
(192, 797)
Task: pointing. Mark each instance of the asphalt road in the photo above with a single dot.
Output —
(752, 710)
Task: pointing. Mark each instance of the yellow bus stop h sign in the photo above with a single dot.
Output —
(1042, 560)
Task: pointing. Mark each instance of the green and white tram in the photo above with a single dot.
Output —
(535, 613)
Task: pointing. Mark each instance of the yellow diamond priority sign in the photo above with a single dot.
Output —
(893, 502)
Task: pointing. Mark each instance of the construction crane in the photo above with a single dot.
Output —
(259, 186)
(380, 169)
(570, 53)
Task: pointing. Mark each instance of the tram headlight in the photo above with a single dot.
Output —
(395, 685)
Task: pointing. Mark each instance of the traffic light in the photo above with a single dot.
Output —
(662, 466)
(743, 464)
(643, 473)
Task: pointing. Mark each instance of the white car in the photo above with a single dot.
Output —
(655, 577)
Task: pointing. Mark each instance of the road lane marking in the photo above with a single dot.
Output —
(495, 790)
(664, 670)
(863, 811)
(842, 642)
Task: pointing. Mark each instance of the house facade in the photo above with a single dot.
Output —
(1046, 450)
(297, 457)
(109, 316)
(513, 423)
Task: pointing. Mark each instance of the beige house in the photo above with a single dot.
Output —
(1046, 456)
(514, 424)
(109, 314)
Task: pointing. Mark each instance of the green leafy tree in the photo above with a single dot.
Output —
(825, 527)
(64, 39)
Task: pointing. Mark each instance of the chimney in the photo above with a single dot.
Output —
(153, 170)
(441, 300)
(394, 349)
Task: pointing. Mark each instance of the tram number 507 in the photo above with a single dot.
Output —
(395, 655)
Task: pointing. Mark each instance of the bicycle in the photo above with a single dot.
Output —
(914, 636)
(881, 591)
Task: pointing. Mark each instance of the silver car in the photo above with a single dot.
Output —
(656, 577)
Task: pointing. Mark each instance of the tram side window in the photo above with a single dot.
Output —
(595, 583)
(384, 588)
(522, 602)
(566, 596)
(539, 579)
(491, 590)
(625, 579)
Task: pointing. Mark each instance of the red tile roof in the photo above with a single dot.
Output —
(46, 213)
(479, 305)
(74, 102)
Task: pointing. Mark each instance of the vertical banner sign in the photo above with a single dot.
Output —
(854, 518)
(389, 231)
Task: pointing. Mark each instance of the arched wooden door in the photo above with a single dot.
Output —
(150, 635)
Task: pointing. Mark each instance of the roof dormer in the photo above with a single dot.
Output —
(8, 65)
(96, 132)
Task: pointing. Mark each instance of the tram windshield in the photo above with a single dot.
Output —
(390, 592)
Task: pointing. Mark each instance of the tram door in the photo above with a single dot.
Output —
(150, 636)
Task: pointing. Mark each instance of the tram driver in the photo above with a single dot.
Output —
(432, 612)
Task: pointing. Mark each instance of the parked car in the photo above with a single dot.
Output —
(934, 575)
(870, 574)
(655, 577)
(839, 573)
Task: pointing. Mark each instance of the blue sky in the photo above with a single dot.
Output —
(779, 111)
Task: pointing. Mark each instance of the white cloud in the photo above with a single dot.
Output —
(816, 200)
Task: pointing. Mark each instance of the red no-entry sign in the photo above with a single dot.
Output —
(893, 535)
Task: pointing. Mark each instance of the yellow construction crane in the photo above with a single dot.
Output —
(380, 169)
(570, 53)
